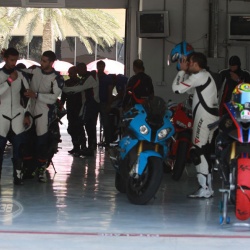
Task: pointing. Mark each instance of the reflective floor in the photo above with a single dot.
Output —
(79, 208)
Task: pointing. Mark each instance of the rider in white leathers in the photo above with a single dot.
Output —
(45, 87)
(193, 77)
(13, 84)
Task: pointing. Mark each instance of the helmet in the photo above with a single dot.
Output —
(181, 49)
(241, 96)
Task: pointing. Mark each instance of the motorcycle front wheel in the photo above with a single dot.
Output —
(142, 189)
(120, 183)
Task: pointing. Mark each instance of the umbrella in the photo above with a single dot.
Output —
(112, 66)
(62, 66)
(26, 62)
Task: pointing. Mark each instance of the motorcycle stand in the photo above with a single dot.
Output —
(50, 162)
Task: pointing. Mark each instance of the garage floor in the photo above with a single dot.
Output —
(79, 208)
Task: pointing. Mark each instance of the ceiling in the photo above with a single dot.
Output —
(99, 4)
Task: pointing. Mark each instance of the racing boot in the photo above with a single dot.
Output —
(81, 150)
(205, 189)
(17, 171)
(209, 183)
(76, 149)
(29, 169)
(88, 152)
(41, 171)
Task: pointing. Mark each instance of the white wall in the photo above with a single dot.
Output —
(154, 52)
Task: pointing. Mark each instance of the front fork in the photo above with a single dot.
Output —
(135, 171)
(140, 148)
(233, 151)
(232, 171)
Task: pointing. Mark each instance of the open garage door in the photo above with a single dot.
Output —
(99, 4)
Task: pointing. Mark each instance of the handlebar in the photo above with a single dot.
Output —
(216, 123)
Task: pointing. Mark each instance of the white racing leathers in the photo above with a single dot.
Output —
(88, 82)
(11, 105)
(204, 108)
(48, 87)
(12, 111)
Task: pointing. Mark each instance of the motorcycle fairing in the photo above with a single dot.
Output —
(140, 120)
(126, 144)
(182, 119)
(143, 160)
(232, 111)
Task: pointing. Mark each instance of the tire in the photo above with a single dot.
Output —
(181, 157)
(141, 190)
(120, 183)
(167, 167)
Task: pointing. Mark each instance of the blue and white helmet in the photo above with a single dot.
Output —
(181, 49)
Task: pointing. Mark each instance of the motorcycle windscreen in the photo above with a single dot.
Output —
(155, 109)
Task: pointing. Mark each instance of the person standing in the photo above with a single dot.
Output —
(105, 95)
(139, 87)
(13, 84)
(45, 87)
(73, 106)
(230, 78)
(120, 83)
(194, 78)
(89, 88)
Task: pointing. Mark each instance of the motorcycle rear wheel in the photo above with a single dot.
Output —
(181, 157)
(141, 190)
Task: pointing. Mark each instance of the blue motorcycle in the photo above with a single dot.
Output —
(138, 157)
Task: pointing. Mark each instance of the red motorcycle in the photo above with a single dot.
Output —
(182, 140)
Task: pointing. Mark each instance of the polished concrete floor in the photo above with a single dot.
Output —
(79, 208)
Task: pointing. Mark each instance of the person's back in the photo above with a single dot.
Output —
(73, 102)
(73, 106)
(230, 78)
(141, 84)
(120, 83)
(105, 86)
(139, 87)
(105, 95)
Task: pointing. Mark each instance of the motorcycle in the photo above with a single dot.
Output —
(181, 143)
(232, 156)
(54, 131)
(138, 157)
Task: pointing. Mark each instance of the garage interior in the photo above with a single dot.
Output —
(80, 208)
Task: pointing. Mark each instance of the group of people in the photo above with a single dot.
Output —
(86, 95)
(28, 95)
(209, 95)
(27, 106)
(27, 98)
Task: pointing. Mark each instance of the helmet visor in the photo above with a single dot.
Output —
(175, 57)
